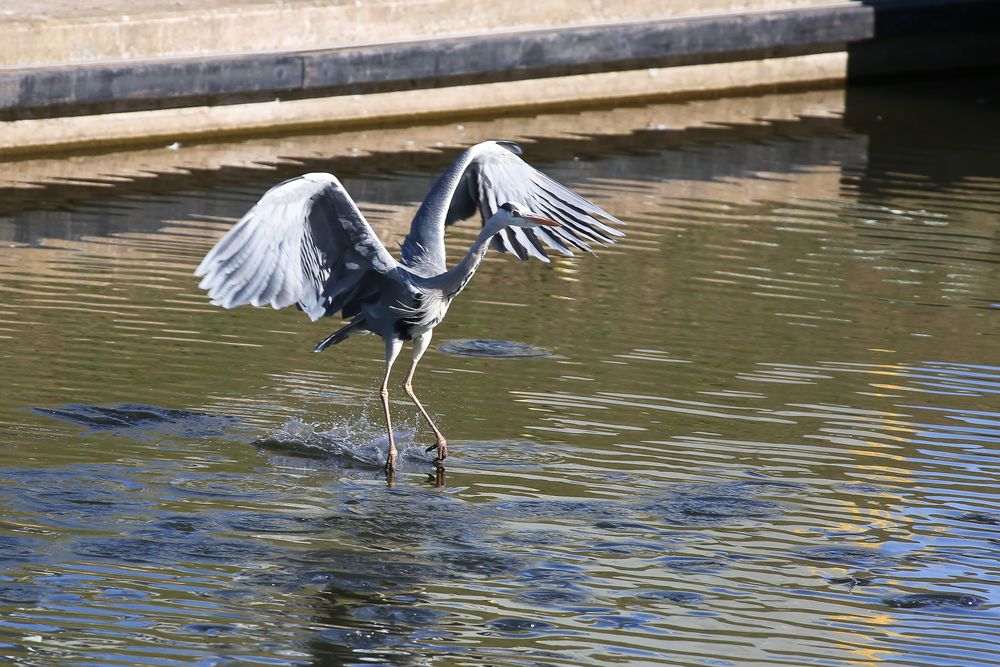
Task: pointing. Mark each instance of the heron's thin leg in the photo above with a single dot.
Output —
(419, 347)
(392, 348)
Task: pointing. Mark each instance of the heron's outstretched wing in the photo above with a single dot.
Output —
(485, 177)
(304, 242)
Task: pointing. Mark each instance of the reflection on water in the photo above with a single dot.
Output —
(760, 430)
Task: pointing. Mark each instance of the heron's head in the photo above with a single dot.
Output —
(518, 215)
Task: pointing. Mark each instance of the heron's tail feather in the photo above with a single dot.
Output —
(340, 334)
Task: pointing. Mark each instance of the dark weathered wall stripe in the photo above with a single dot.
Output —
(149, 80)
(655, 43)
(475, 59)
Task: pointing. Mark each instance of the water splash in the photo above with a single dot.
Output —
(357, 443)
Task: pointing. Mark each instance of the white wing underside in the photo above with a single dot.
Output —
(491, 174)
(306, 243)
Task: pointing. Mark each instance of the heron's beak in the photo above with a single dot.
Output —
(539, 220)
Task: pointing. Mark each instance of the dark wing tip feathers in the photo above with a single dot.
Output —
(503, 177)
(512, 146)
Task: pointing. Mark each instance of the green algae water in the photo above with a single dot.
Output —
(760, 430)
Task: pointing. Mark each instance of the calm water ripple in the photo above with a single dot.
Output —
(762, 430)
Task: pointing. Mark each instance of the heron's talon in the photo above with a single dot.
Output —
(442, 449)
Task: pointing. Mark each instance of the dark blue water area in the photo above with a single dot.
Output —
(367, 571)
(112, 542)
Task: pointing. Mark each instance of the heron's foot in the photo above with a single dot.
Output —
(442, 449)
(390, 461)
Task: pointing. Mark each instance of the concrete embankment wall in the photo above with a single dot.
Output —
(142, 71)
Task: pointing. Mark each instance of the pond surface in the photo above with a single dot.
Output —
(761, 430)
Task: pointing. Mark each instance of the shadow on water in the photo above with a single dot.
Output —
(135, 418)
(501, 349)
(924, 600)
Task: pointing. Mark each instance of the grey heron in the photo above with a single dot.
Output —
(307, 243)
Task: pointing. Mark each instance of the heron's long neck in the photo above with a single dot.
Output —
(454, 280)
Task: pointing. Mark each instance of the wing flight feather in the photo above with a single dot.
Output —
(482, 179)
(498, 176)
(305, 242)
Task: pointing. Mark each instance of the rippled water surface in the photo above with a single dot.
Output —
(762, 430)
